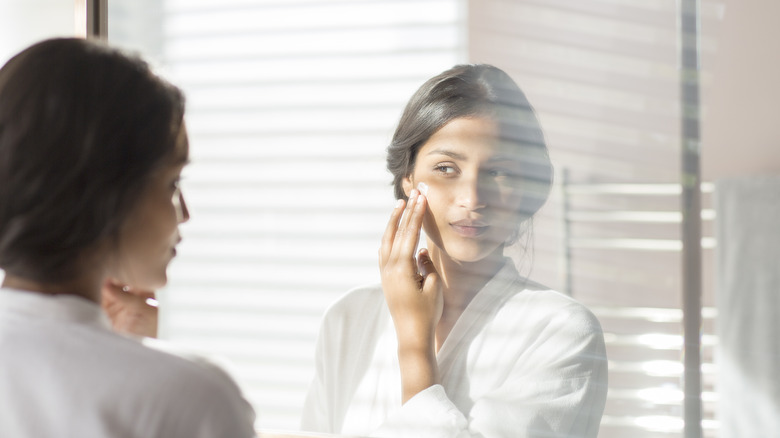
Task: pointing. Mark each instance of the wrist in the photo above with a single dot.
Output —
(419, 370)
(414, 341)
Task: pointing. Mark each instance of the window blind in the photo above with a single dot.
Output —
(290, 107)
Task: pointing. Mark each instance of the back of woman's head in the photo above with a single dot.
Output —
(479, 90)
(81, 128)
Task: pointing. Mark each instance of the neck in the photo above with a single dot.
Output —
(83, 287)
(460, 283)
(87, 281)
(462, 280)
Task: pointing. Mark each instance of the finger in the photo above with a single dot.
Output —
(431, 280)
(410, 235)
(389, 235)
(111, 290)
(424, 263)
(108, 299)
(140, 293)
(409, 208)
(114, 293)
(401, 229)
(113, 284)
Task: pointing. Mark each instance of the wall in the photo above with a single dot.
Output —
(740, 133)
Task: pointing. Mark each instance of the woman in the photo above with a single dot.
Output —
(455, 343)
(92, 144)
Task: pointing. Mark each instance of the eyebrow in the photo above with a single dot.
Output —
(450, 154)
(462, 157)
(505, 158)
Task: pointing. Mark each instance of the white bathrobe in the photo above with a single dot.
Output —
(65, 373)
(522, 361)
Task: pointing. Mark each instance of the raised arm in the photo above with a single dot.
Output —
(413, 294)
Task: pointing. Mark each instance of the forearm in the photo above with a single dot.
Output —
(419, 369)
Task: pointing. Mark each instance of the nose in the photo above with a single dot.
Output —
(182, 213)
(471, 193)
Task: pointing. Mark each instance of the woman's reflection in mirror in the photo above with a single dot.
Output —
(455, 342)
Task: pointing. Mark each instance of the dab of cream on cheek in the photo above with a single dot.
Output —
(423, 188)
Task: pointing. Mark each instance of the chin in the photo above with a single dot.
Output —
(161, 282)
(469, 254)
(153, 282)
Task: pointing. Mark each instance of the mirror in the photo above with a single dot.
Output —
(290, 109)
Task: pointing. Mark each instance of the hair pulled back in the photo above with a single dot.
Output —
(82, 126)
(477, 90)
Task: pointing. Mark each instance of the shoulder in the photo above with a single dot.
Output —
(551, 312)
(163, 370)
(189, 364)
(354, 322)
(185, 386)
(358, 304)
(544, 329)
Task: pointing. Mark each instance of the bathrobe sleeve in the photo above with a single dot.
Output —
(553, 384)
(348, 330)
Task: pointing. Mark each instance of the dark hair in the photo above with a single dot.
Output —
(473, 91)
(82, 126)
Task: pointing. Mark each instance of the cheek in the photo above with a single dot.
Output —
(159, 222)
(509, 198)
(436, 211)
(508, 213)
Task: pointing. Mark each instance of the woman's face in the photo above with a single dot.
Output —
(148, 238)
(474, 189)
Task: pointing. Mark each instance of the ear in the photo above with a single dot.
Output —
(407, 185)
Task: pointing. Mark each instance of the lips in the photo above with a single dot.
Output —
(469, 227)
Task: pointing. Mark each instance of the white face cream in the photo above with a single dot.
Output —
(423, 188)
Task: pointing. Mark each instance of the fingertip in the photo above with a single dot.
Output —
(111, 281)
(111, 287)
(424, 256)
(424, 263)
(423, 188)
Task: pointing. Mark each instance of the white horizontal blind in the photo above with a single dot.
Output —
(290, 107)
(24, 22)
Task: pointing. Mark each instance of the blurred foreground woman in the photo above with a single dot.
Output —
(455, 342)
(92, 144)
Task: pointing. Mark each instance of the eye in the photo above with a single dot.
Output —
(503, 173)
(445, 169)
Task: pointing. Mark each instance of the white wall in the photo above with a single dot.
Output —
(23, 22)
(740, 134)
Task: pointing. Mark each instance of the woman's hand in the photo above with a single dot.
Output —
(128, 309)
(413, 293)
